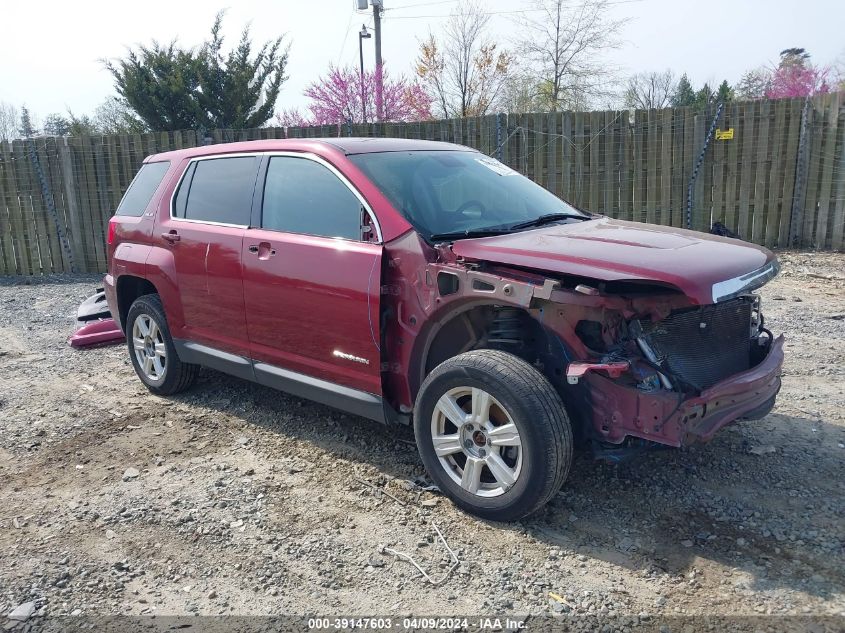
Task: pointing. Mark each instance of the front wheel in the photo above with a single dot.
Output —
(493, 434)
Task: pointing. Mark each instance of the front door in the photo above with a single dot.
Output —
(312, 276)
(204, 231)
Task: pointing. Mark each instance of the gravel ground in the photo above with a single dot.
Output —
(235, 499)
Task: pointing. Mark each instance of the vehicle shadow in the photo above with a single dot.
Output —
(751, 501)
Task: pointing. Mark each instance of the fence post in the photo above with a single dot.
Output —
(802, 164)
(74, 219)
(499, 137)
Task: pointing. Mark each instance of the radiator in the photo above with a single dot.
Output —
(706, 344)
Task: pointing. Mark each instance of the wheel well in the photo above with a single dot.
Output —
(513, 330)
(505, 328)
(130, 288)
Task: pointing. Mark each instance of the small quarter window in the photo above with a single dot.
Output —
(137, 198)
(219, 190)
(182, 194)
(303, 196)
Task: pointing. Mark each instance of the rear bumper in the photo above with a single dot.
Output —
(619, 411)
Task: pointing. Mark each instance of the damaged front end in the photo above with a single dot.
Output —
(663, 371)
(640, 362)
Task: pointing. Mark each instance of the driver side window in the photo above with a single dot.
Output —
(304, 196)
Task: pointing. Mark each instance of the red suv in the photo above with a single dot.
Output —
(420, 282)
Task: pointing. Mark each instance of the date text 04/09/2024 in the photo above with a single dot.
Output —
(416, 623)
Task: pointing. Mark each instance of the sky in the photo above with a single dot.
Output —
(51, 52)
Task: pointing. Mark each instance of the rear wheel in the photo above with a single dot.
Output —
(151, 349)
(493, 434)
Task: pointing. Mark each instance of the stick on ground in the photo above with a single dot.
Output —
(409, 558)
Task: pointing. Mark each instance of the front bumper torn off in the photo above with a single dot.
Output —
(619, 411)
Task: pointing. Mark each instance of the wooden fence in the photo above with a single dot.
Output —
(773, 171)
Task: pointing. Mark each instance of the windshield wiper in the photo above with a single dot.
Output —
(507, 228)
(548, 219)
(459, 235)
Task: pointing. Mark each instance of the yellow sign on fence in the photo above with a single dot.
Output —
(724, 135)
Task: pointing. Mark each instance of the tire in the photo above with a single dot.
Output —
(537, 458)
(152, 352)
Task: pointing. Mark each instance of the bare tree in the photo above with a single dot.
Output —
(839, 69)
(463, 71)
(650, 90)
(115, 116)
(521, 95)
(754, 84)
(9, 121)
(562, 50)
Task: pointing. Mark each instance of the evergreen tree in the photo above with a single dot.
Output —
(159, 83)
(725, 93)
(704, 97)
(27, 129)
(56, 125)
(684, 94)
(170, 88)
(82, 125)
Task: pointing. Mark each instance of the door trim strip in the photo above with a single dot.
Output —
(196, 353)
(354, 401)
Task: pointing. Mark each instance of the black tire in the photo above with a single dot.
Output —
(177, 376)
(534, 407)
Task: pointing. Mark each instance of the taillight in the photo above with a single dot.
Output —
(110, 237)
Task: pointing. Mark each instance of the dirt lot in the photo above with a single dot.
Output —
(235, 499)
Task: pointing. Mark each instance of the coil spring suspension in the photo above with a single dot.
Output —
(507, 328)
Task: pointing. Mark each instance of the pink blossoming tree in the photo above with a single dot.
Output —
(798, 82)
(795, 76)
(340, 97)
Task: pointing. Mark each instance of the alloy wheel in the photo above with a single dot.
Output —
(476, 441)
(148, 345)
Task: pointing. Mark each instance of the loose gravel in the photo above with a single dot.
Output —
(236, 499)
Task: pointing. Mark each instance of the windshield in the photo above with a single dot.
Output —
(453, 192)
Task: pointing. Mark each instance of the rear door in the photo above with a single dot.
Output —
(204, 232)
(312, 270)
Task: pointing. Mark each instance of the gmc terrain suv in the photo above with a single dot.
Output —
(420, 282)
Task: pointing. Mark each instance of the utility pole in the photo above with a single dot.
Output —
(362, 35)
(377, 9)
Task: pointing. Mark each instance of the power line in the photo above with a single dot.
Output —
(419, 4)
(345, 36)
(514, 11)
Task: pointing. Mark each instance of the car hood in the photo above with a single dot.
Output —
(707, 268)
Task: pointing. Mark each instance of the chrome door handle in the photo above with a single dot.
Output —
(171, 236)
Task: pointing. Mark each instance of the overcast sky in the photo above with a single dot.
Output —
(50, 51)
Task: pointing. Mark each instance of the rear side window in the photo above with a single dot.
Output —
(218, 190)
(303, 196)
(137, 198)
